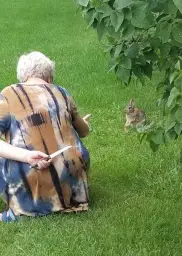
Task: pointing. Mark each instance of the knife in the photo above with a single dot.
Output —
(87, 116)
(53, 155)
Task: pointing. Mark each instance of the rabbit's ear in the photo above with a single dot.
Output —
(132, 103)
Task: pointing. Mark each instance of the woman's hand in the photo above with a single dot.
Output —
(43, 164)
(81, 125)
(86, 119)
(37, 157)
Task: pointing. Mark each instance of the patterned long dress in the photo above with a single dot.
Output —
(40, 117)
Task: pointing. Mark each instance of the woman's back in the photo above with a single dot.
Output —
(40, 117)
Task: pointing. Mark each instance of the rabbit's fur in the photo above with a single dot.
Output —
(135, 117)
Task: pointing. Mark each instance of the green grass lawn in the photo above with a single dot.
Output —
(136, 204)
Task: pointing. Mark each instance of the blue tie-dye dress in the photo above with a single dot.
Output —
(41, 117)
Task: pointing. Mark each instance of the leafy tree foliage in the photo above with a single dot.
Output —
(142, 37)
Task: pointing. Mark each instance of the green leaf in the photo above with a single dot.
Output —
(165, 49)
(108, 48)
(112, 34)
(178, 128)
(174, 52)
(127, 13)
(141, 18)
(177, 32)
(124, 74)
(164, 64)
(173, 111)
(178, 115)
(86, 9)
(169, 124)
(147, 69)
(173, 76)
(132, 51)
(170, 8)
(120, 4)
(178, 82)
(154, 146)
(178, 4)
(173, 95)
(162, 1)
(151, 56)
(117, 20)
(128, 31)
(174, 42)
(158, 137)
(114, 18)
(90, 16)
(145, 45)
(177, 66)
(170, 135)
(156, 6)
(83, 2)
(146, 128)
(105, 9)
(118, 50)
(179, 100)
(125, 62)
(163, 31)
(100, 29)
(137, 70)
(141, 136)
(141, 60)
(112, 64)
(155, 42)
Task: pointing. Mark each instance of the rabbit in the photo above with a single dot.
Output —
(135, 117)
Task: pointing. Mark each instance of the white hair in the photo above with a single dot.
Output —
(35, 64)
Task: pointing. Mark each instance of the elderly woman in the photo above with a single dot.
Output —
(37, 119)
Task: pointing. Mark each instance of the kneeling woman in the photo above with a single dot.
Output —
(38, 118)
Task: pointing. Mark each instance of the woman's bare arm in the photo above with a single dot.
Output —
(81, 127)
(22, 155)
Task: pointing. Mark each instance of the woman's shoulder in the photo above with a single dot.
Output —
(5, 91)
(63, 90)
(8, 88)
(60, 88)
